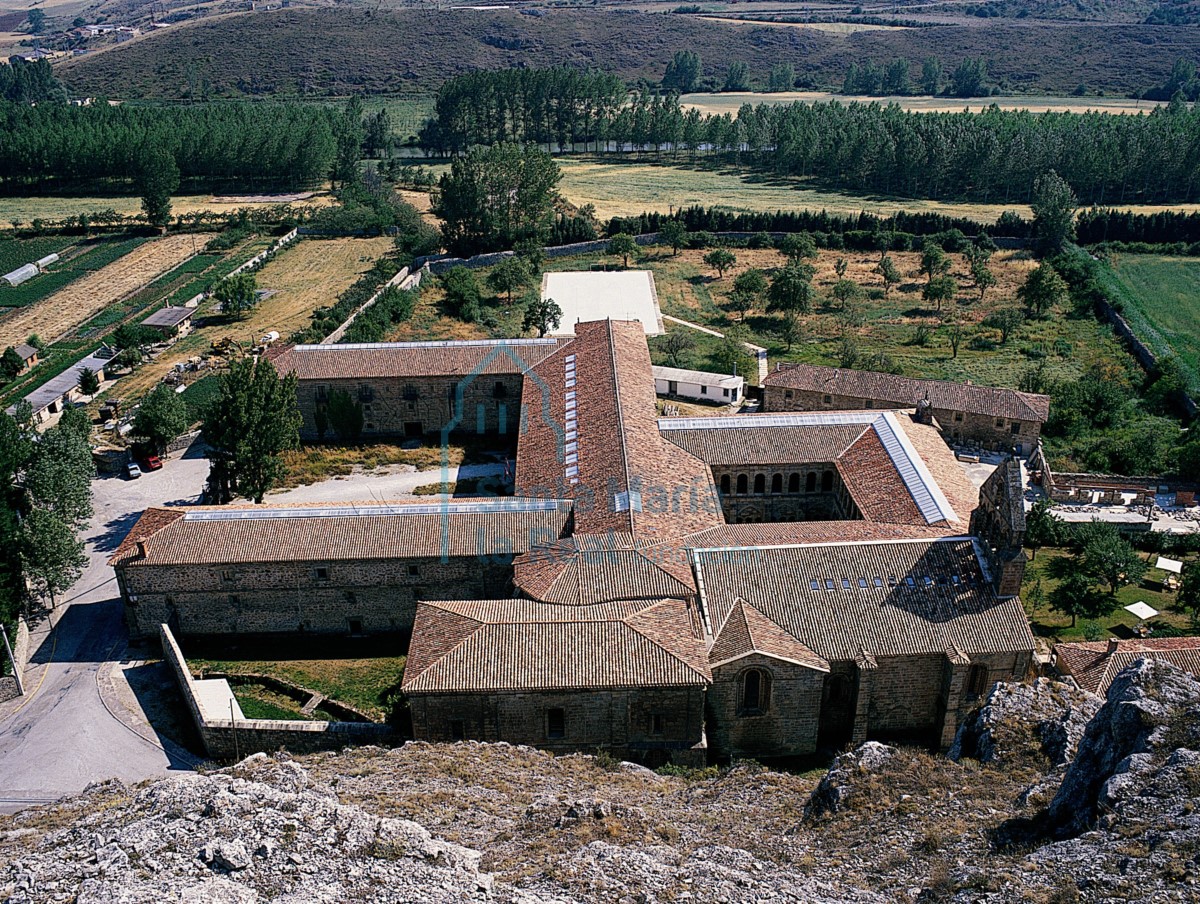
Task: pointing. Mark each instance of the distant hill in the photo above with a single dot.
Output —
(1155, 12)
(340, 51)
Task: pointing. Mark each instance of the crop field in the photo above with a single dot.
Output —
(621, 189)
(306, 275)
(876, 323)
(85, 297)
(1163, 305)
(18, 252)
(54, 207)
(730, 103)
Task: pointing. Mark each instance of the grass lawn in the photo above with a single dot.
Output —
(1048, 623)
(1162, 297)
(877, 323)
(55, 207)
(262, 703)
(315, 463)
(361, 683)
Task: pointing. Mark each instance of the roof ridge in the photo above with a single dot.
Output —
(444, 654)
(621, 437)
(627, 621)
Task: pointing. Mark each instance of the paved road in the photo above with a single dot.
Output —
(62, 735)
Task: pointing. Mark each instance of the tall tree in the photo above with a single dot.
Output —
(934, 262)
(237, 295)
(1053, 205)
(1110, 558)
(89, 381)
(890, 273)
(1076, 596)
(737, 77)
(939, 290)
(782, 78)
(673, 233)
(251, 423)
(494, 198)
(1042, 526)
(349, 133)
(798, 247)
(510, 275)
(542, 314)
(156, 179)
(161, 418)
(683, 72)
(1043, 290)
(791, 290)
(720, 259)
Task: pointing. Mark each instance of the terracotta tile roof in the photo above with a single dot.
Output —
(456, 647)
(411, 359)
(794, 532)
(220, 534)
(891, 391)
(751, 445)
(950, 604)
(875, 485)
(589, 433)
(569, 573)
(748, 631)
(1095, 664)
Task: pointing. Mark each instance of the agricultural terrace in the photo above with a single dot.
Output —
(308, 274)
(85, 297)
(1162, 305)
(731, 102)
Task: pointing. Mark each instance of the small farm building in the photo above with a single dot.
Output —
(697, 385)
(29, 355)
(172, 323)
(60, 392)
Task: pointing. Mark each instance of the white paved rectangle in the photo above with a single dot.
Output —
(599, 295)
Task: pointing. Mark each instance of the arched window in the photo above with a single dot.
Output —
(760, 484)
(810, 482)
(742, 484)
(826, 481)
(977, 680)
(777, 483)
(755, 692)
(837, 689)
(794, 483)
(724, 484)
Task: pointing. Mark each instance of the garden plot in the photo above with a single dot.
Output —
(66, 309)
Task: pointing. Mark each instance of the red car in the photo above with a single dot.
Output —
(151, 463)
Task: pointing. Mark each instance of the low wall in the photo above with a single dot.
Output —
(1142, 352)
(440, 263)
(262, 256)
(20, 645)
(227, 739)
(397, 280)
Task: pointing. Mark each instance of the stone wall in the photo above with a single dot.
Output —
(419, 406)
(21, 651)
(808, 492)
(787, 726)
(227, 739)
(956, 426)
(649, 725)
(358, 597)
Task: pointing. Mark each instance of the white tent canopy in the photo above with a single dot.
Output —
(1141, 610)
(1171, 565)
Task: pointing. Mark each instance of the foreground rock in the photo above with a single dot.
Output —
(838, 785)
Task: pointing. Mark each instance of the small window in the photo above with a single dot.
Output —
(878, 583)
(862, 583)
(414, 571)
(787, 393)
(793, 483)
(321, 574)
(355, 626)
(958, 416)
(826, 481)
(725, 484)
(351, 598)
(410, 393)
(458, 730)
(234, 601)
(814, 585)
(756, 692)
(499, 391)
(828, 399)
(726, 391)
(867, 403)
(322, 392)
(777, 483)
(703, 390)
(829, 584)
(760, 484)
(656, 724)
(1016, 428)
(556, 723)
(227, 576)
(910, 582)
(365, 393)
(977, 680)
(999, 422)
(743, 484)
(845, 583)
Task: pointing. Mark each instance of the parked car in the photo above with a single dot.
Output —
(132, 471)
(150, 462)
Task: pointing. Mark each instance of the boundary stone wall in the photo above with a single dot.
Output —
(227, 739)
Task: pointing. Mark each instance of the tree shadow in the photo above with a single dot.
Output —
(1060, 567)
(115, 531)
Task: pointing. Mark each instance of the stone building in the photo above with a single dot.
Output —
(1002, 419)
(1094, 664)
(999, 523)
(171, 322)
(414, 389)
(668, 588)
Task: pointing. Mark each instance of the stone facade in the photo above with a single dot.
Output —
(345, 597)
(956, 425)
(808, 492)
(417, 406)
(785, 723)
(999, 523)
(649, 725)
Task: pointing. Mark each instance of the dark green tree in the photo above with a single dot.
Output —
(1042, 526)
(89, 381)
(348, 133)
(720, 259)
(494, 198)
(1006, 320)
(1043, 290)
(1076, 596)
(931, 75)
(969, 79)
(462, 295)
(798, 247)
(542, 314)
(161, 418)
(782, 78)
(10, 364)
(939, 290)
(933, 261)
(791, 290)
(1053, 205)
(1189, 590)
(737, 77)
(249, 426)
(890, 273)
(156, 179)
(345, 415)
(237, 295)
(1110, 558)
(683, 72)
(510, 275)
(622, 245)
(673, 233)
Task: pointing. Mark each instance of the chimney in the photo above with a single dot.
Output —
(141, 548)
(1113, 645)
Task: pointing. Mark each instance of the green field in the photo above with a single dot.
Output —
(1162, 304)
(93, 255)
(15, 253)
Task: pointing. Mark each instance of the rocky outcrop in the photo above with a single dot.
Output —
(838, 785)
(1046, 718)
(1140, 746)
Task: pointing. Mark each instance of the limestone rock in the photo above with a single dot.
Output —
(837, 785)
(1046, 716)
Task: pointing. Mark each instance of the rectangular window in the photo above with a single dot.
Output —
(413, 570)
(322, 392)
(828, 400)
(351, 598)
(355, 626)
(787, 393)
(458, 731)
(321, 574)
(226, 576)
(1016, 427)
(556, 723)
(703, 390)
(234, 601)
(656, 724)
(958, 416)
(999, 422)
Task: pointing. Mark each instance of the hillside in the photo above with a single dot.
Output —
(1161, 12)
(491, 822)
(340, 51)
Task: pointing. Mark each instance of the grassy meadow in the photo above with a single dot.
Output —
(719, 104)
(1162, 296)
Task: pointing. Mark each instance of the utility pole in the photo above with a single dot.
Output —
(12, 659)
